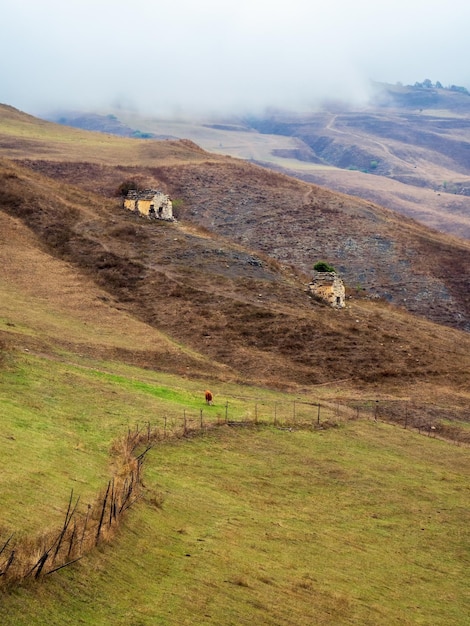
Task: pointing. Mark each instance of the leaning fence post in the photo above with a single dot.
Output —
(200, 416)
(6, 543)
(72, 539)
(84, 527)
(102, 513)
(11, 558)
(111, 503)
(40, 564)
(318, 414)
(226, 412)
(68, 516)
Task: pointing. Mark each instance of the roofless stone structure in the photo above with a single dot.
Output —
(329, 287)
(152, 203)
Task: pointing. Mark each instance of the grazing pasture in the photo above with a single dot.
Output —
(314, 512)
(361, 524)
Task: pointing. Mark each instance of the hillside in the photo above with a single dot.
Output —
(228, 280)
(218, 298)
(111, 322)
(407, 149)
(365, 524)
(298, 224)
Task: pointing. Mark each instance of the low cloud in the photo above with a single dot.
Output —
(225, 57)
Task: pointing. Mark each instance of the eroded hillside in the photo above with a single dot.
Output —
(380, 254)
(247, 313)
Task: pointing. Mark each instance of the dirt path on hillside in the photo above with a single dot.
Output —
(394, 159)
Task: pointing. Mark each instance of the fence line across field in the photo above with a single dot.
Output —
(83, 530)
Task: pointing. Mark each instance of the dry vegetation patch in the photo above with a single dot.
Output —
(222, 300)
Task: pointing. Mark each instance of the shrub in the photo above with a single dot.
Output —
(127, 185)
(323, 266)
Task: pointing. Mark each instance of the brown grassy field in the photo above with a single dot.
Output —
(203, 304)
(406, 150)
(296, 223)
(212, 283)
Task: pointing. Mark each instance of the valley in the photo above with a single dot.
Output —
(407, 150)
(110, 321)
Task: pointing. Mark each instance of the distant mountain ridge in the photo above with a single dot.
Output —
(108, 123)
(408, 149)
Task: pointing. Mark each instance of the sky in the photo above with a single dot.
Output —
(187, 57)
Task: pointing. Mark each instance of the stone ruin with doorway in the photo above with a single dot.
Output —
(151, 203)
(328, 287)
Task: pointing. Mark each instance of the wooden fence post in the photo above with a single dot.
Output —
(102, 513)
(11, 558)
(85, 527)
(72, 539)
(6, 543)
(111, 503)
(68, 517)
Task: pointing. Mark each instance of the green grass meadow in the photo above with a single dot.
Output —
(61, 416)
(364, 523)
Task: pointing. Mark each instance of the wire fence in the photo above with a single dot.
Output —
(430, 419)
(84, 528)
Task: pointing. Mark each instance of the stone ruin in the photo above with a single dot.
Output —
(329, 287)
(152, 203)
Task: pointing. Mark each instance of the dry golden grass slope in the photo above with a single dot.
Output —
(22, 135)
(196, 300)
(297, 223)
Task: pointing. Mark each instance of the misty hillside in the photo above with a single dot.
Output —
(228, 280)
(192, 433)
(380, 254)
(247, 313)
(407, 150)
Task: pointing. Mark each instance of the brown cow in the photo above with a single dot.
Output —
(209, 397)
